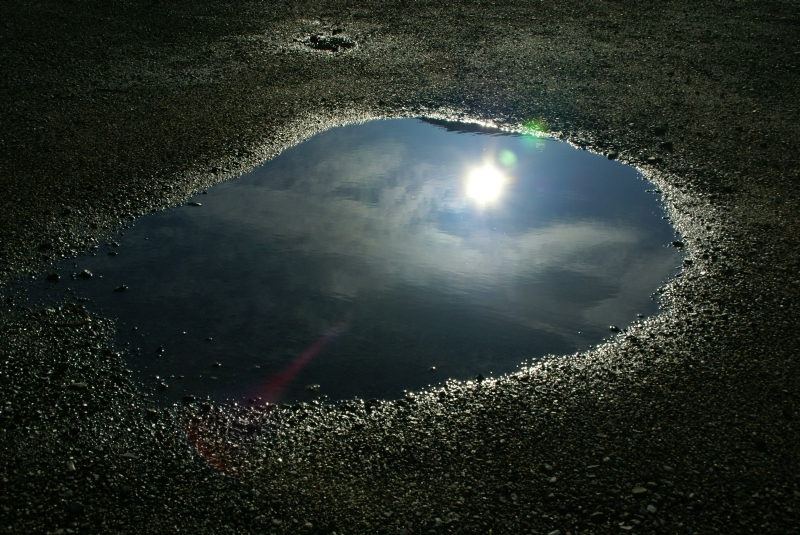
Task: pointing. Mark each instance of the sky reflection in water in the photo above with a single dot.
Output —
(368, 231)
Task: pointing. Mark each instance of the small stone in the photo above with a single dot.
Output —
(121, 288)
(53, 277)
(668, 469)
(613, 155)
(276, 522)
(188, 399)
(547, 467)
(152, 412)
(677, 244)
(555, 532)
(194, 204)
(613, 328)
(660, 130)
(432, 368)
(70, 466)
(638, 490)
(312, 388)
(112, 253)
(209, 339)
(162, 386)
(307, 525)
(651, 509)
(597, 517)
(129, 455)
(216, 365)
(79, 386)
(76, 508)
(552, 480)
(86, 274)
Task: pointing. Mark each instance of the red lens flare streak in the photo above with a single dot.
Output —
(208, 433)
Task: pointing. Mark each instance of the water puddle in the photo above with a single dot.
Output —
(377, 258)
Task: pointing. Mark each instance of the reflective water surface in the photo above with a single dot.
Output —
(365, 257)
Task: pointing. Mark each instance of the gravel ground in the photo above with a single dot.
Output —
(682, 423)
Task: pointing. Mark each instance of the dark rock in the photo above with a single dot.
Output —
(660, 130)
(76, 508)
(613, 155)
(597, 517)
(121, 288)
(86, 274)
(188, 399)
(613, 328)
(194, 204)
(53, 277)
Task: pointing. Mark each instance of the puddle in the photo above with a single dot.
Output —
(377, 258)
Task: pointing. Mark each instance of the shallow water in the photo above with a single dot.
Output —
(359, 260)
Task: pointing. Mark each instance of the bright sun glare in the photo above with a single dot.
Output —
(485, 184)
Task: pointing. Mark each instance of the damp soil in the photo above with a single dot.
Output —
(686, 423)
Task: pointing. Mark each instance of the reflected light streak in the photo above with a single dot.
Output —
(485, 184)
(273, 391)
(207, 433)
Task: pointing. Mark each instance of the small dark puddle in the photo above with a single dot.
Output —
(364, 262)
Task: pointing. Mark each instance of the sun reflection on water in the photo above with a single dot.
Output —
(485, 184)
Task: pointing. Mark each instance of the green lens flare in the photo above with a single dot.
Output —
(507, 158)
(534, 127)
